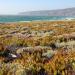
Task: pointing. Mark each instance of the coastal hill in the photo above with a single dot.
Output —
(58, 12)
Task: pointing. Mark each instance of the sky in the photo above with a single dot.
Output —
(16, 6)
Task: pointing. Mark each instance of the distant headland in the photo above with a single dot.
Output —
(57, 12)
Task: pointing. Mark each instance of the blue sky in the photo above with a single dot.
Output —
(16, 6)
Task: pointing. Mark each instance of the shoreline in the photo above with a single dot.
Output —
(36, 21)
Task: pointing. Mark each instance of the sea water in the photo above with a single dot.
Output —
(17, 18)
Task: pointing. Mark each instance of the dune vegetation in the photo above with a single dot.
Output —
(37, 48)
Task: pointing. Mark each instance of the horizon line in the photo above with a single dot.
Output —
(35, 11)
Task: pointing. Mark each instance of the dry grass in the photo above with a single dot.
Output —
(38, 38)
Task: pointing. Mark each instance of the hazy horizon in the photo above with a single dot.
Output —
(13, 7)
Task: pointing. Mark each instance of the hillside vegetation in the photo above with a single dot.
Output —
(37, 48)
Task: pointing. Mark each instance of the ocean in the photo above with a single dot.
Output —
(15, 18)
